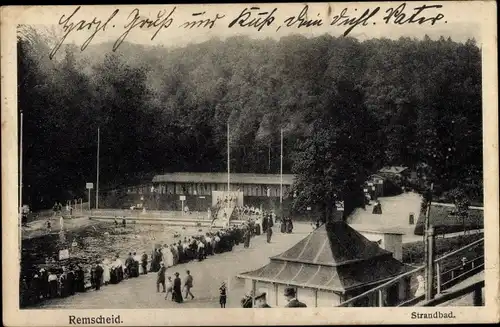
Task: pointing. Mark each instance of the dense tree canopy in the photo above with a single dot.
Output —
(346, 108)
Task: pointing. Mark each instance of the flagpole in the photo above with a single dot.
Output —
(281, 174)
(228, 164)
(97, 183)
(20, 185)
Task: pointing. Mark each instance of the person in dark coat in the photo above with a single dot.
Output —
(98, 276)
(291, 297)
(261, 301)
(44, 283)
(377, 209)
(246, 238)
(80, 279)
(124, 222)
(264, 223)
(160, 279)
(71, 282)
(63, 284)
(247, 301)
(36, 290)
(177, 289)
(129, 263)
(222, 295)
(155, 263)
(24, 295)
(269, 233)
(135, 266)
(283, 225)
(188, 285)
(113, 276)
(144, 263)
(289, 226)
(180, 251)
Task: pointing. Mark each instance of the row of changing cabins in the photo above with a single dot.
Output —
(197, 188)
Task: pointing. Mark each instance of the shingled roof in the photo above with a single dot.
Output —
(221, 178)
(393, 170)
(334, 257)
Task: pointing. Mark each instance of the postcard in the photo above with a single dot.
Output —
(334, 163)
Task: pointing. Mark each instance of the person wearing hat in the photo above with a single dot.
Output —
(99, 272)
(188, 285)
(247, 301)
(269, 233)
(44, 282)
(144, 263)
(261, 301)
(80, 279)
(177, 289)
(291, 297)
(223, 295)
(161, 278)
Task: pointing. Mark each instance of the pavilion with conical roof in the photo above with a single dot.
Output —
(329, 266)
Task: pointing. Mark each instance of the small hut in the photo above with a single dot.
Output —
(331, 265)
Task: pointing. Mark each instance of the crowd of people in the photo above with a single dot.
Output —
(69, 279)
(62, 279)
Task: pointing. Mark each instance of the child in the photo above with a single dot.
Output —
(170, 288)
(222, 295)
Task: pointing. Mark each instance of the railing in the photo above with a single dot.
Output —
(476, 289)
(120, 213)
(450, 269)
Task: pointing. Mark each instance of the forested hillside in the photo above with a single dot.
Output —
(346, 107)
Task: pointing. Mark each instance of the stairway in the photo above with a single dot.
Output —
(223, 216)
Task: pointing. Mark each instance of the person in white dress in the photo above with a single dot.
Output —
(138, 259)
(168, 258)
(106, 275)
(164, 251)
(118, 263)
(420, 287)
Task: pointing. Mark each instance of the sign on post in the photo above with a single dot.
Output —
(340, 205)
(89, 187)
(63, 254)
(182, 198)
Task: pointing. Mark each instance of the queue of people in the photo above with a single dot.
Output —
(199, 247)
(61, 279)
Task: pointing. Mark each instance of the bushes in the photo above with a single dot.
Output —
(414, 252)
(445, 221)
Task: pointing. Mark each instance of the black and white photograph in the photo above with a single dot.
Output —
(247, 156)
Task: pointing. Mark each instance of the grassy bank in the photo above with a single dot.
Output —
(413, 253)
(444, 220)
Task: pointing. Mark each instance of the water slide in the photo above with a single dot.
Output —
(223, 220)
